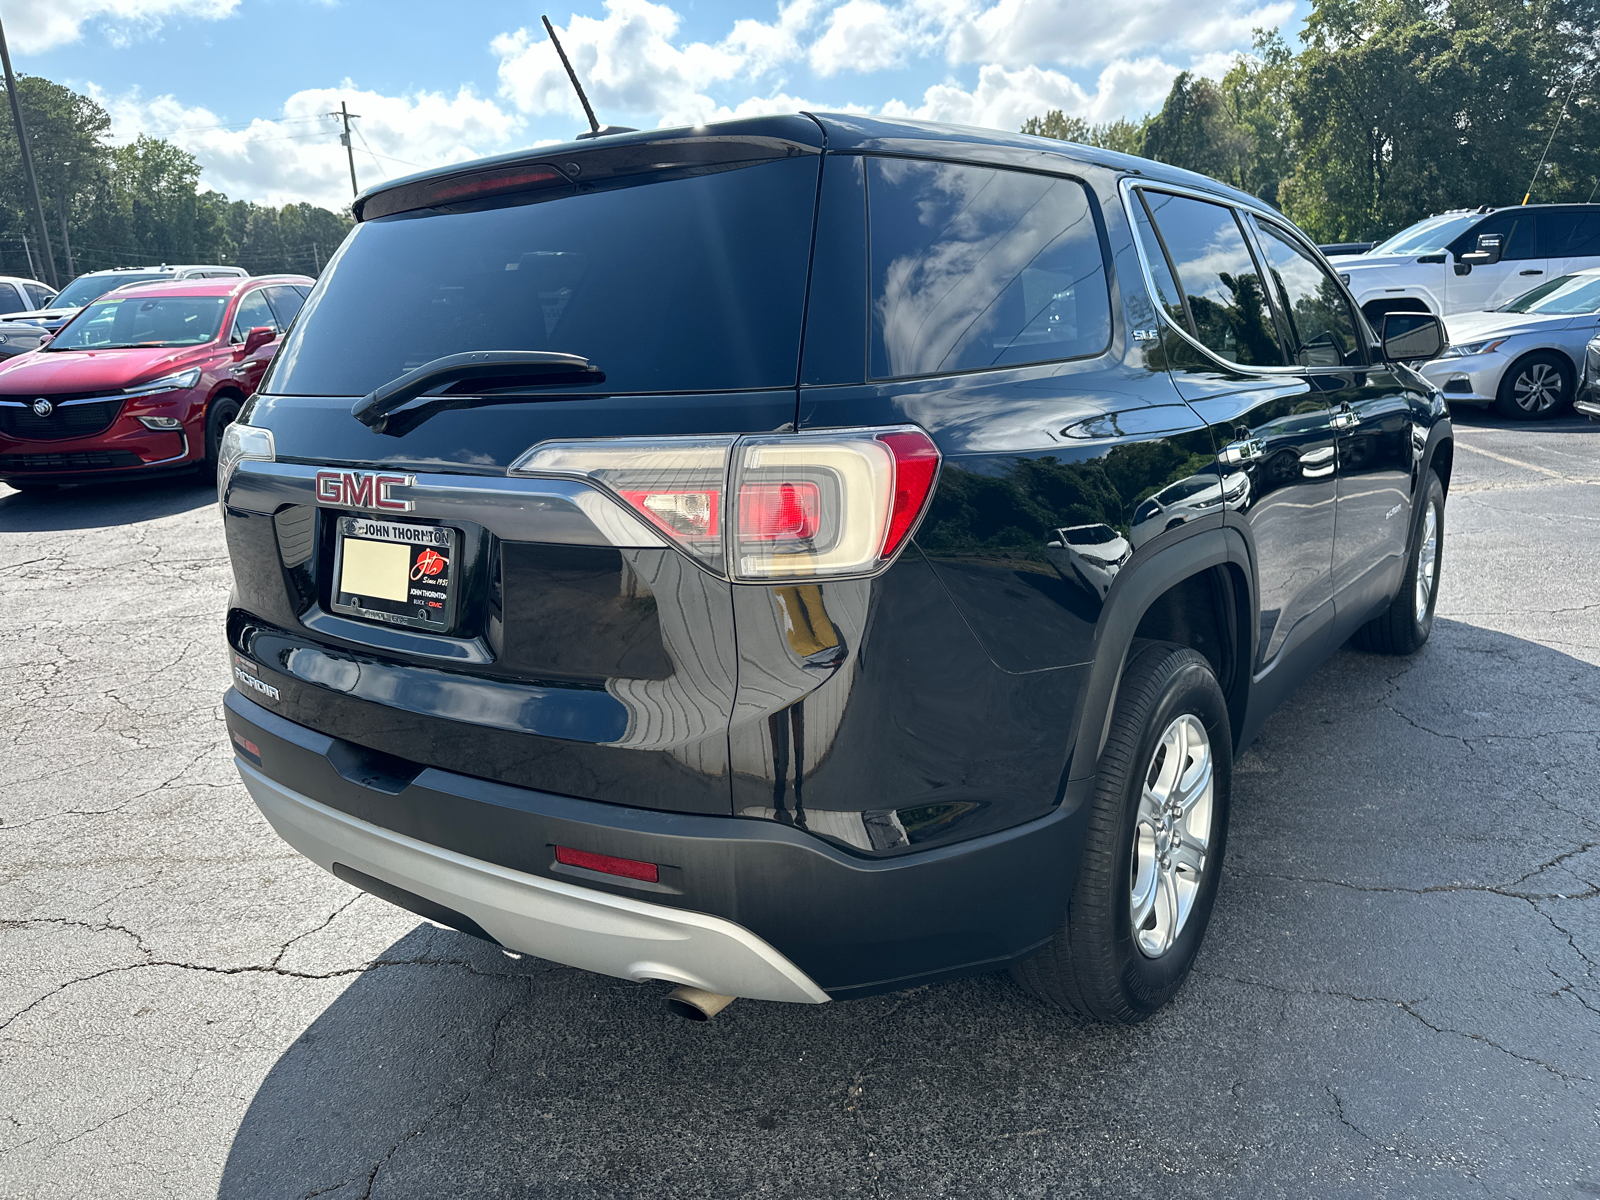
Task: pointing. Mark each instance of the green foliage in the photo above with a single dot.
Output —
(1391, 111)
(1121, 135)
(137, 205)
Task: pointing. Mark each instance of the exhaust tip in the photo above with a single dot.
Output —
(694, 1005)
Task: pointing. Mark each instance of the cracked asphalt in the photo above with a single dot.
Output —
(1399, 995)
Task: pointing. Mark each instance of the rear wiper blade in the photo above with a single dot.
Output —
(528, 367)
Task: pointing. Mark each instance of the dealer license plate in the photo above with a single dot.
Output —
(394, 572)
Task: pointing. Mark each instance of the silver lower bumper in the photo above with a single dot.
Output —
(612, 935)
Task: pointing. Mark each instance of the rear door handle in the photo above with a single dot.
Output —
(1530, 272)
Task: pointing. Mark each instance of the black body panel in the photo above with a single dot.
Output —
(856, 926)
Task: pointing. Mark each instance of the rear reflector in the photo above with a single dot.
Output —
(628, 868)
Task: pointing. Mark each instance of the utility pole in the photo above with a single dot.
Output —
(27, 160)
(316, 257)
(344, 140)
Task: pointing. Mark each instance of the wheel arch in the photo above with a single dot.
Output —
(1197, 590)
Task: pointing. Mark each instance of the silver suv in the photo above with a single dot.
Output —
(94, 284)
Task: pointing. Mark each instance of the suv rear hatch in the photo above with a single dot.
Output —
(398, 589)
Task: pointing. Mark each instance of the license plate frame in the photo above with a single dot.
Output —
(430, 601)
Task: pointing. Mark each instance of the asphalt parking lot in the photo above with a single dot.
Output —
(1399, 995)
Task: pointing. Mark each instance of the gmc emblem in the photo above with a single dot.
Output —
(359, 489)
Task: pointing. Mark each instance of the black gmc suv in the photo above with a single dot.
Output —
(809, 556)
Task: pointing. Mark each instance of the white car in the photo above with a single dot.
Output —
(1472, 261)
(1526, 357)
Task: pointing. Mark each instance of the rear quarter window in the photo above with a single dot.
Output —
(678, 284)
(975, 267)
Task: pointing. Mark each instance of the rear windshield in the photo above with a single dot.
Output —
(91, 287)
(681, 284)
(143, 321)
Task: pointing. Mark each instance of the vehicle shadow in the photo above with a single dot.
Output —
(448, 1069)
(99, 505)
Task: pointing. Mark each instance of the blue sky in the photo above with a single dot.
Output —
(243, 84)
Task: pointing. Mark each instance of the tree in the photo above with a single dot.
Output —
(1196, 129)
(1257, 90)
(65, 131)
(1121, 135)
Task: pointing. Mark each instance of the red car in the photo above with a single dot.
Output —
(142, 381)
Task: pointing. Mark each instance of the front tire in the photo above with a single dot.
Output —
(219, 416)
(1407, 622)
(1535, 387)
(1152, 854)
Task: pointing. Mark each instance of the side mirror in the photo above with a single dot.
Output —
(46, 339)
(1410, 336)
(255, 339)
(1490, 246)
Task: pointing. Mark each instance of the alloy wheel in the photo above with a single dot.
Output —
(1537, 387)
(1427, 560)
(1170, 836)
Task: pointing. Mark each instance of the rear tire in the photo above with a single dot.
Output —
(219, 416)
(1535, 387)
(1148, 876)
(1407, 622)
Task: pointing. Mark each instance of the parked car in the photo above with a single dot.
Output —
(52, 314)
(18, 294)
(661, 576)
(19, 337)
(142, 380)
(1472, 261)
(1524, 358)
(1588, 401)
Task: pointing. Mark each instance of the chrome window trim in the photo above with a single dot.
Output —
(1128, 185)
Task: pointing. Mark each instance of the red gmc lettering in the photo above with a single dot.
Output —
(355, 489)
(358, 490)
(385, 482)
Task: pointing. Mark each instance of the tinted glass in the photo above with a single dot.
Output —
(11, 299)
(975, 267)
(1570, 234)
(1320, 323)
(685, 284)
(40, 297)
(143, 321)
(1218, 277)
(1160, 272)
(253, 311)
(91, 287)
(1516, 229)
(286, 302)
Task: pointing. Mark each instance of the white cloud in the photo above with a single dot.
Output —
(298, 156)
(864, 35)
(1003, 98)
(1019, 32)
(35, 25)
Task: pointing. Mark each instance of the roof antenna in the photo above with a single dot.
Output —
(595, 128)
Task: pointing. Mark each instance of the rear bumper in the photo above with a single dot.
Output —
(743, 906)
(562, 922)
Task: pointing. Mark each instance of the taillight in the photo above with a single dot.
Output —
(771, 506)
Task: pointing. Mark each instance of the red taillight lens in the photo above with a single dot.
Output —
(772, 512)
(916, 462)
(829, 503)
(606, 864)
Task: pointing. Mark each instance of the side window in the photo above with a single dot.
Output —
(1517, 235)
(1320, 323)
(980, 267)
(1218, 278)
(11, 299)
(1167, 294)
(1570, 234)
(286, 302)
(38, 296)
(253, 311)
